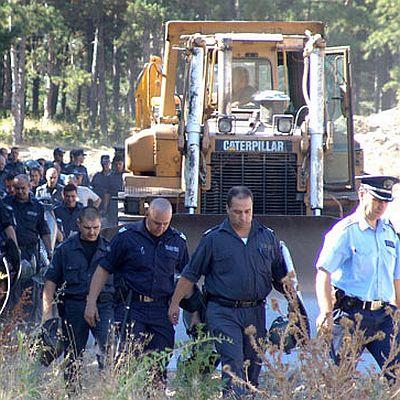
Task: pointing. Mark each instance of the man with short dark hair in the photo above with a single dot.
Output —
(14, 165)
(115, 185)
(241, 260)
(58, 155)
(101, 180)
(71, 270)
(51, 190)
(67, 213)
(78, 157)
(143, 257)
(30, 225)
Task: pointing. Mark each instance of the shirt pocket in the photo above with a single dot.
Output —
(72, 274)
(223, 261)
(389, 258)
(266, 254)
(168, 260)
(363, 262)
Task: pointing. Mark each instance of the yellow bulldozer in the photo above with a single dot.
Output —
(261, 104)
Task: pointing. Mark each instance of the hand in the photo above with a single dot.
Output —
(195, 320)
(173, 313)
(91, 314)
(324, 323)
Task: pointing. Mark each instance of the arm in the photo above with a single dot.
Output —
(184, 288)
(323, 289)
(99, 279)
(48, 296)
(10, 233)
(397, 292)
(47, 243)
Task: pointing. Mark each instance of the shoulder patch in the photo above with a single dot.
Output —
(389, 223)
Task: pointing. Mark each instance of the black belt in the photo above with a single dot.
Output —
(147, 299)
(234, 303)
(353, 302)
(103, 297)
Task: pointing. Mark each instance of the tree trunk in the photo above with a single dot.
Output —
(49, 86)
(78, 100)
(93, 88)
(64, 100)
(7, 82)
(130, 101)
(116, 92)
(35, 96)
(102, 84)
(18, 89)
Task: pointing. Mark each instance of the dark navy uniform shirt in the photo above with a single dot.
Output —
(146, 264)
(115, 183)
(30, 220)
(100, 183)
(70, 266)
(68, 217)
(233, 269)
(6, 219)
(15, 168)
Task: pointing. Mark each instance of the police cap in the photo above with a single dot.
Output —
(77, 172)
(380, 186)
(79, 152)
(58, 150)
(105, 159)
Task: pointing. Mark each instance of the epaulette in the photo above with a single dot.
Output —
(389, 223)
(123, 229)
(179, 233)
(9, 208)
(346, 222)
(210, 230)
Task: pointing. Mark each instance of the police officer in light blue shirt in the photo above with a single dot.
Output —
(360, 261)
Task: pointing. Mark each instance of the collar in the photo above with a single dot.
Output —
(226, 225)
(76, 243)
(141, 228)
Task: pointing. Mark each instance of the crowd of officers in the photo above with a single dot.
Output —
(131, 281)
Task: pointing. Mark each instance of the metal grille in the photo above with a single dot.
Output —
(271, 177)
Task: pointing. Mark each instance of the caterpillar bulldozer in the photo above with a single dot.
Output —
(261, 104)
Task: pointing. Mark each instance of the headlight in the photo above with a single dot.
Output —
(283, 124)
(225, 123)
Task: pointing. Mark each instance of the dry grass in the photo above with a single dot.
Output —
(313, 375)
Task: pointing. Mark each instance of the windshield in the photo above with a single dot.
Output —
(249, 77)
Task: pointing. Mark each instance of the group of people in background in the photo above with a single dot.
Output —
(48, 178)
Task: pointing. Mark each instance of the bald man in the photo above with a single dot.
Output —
(51, 190)
(143, 256)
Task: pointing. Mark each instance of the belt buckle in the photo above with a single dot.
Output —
(147, 299)
(376, 305)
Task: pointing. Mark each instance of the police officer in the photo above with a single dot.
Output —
(72, 267)
(100, 182)
(14, 165)
(115, 186)
(76, 164)
(144, 257)
(68, 212)
(3, 173)
(241, 260)
(30, 225)
(360, 260)
(58, 155)
(51, 190)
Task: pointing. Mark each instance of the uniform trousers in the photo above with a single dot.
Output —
(231, 323)
(372, 322)
(149, 319)
(76, 333)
